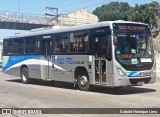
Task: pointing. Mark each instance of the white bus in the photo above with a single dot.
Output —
(111, 54)
(1, 49)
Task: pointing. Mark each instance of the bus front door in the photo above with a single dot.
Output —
(47, 63)
(100, 59)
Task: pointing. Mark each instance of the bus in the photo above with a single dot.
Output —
(110, 53)
(1, 49)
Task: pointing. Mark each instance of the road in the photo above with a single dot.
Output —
(42, 94)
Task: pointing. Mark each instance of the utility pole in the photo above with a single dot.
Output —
(19, 6)
(52, 12)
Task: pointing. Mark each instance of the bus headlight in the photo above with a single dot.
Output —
(121, 73)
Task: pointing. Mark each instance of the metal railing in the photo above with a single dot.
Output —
(40, 19)
(24, 18)
(73, 21)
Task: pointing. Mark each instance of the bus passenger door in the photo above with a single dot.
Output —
(47, 63)
(100, 59)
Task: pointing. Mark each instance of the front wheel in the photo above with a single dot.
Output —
(83, 81)
(25, 76)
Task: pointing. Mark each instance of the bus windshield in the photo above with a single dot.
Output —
(133, 48)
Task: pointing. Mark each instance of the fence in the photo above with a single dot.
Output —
(40, 19)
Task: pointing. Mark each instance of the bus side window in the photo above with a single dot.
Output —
(37, 45)
(72, 48)
(79, 42)
(18, 46)
(7, 47)
(96, 46)
(57, 46)
(61, 43)
(32, 45)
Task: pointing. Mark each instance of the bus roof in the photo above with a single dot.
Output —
(58, 29)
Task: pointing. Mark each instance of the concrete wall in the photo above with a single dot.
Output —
(78, 17)
(158, 63)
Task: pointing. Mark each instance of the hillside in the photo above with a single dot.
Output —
(156, 41)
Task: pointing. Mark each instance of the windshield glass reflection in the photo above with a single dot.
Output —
(133, 48)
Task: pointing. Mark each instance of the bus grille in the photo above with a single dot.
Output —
(135, 81)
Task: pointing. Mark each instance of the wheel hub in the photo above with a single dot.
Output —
(24, 76)
(83, 80)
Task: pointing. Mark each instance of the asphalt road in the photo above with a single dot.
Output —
(43, 94)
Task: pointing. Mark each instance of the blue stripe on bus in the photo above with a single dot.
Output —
(12, 60)
(132, 73)
(129, 73)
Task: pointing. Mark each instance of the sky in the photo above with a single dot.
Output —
(64, 6)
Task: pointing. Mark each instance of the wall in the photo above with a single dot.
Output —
(78, 17)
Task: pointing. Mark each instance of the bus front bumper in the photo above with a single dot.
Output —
(132, 81)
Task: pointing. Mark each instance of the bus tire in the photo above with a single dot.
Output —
(83, 81)
(25, 75)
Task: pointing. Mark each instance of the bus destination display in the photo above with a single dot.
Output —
(130, 27)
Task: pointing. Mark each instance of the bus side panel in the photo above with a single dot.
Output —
(65, 65)
(34, 71)
(13, 71)
(12, 65)
(63, 68)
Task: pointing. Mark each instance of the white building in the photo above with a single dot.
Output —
(82, 16)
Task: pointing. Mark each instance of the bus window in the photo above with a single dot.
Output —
(61, 43)
(34, 45)
(18, 46)
(79, 42)
(7, 47)
(31, 45)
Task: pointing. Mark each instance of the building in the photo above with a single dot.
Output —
(82, 16)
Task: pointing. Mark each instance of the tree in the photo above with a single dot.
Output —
(113, 11)
(146, 13)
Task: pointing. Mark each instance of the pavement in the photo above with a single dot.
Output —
(42, 94)
(158, 72)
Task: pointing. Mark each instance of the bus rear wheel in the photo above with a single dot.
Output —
(83, 81)
(25, 75)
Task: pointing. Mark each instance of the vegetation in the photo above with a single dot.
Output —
(147, 13)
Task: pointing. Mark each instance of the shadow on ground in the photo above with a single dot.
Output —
(96, 89)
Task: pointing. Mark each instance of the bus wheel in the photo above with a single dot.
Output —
(83, 82)
(25, 76)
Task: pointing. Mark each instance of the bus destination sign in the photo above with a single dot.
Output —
(123, 27)
(129, 27)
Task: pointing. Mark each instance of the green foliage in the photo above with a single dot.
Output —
(147, 13)
(113, 11)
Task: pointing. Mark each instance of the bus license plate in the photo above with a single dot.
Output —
(140, 83)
